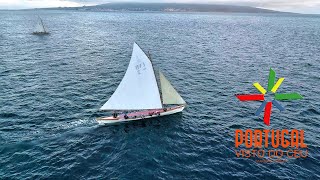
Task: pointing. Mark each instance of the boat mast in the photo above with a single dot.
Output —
(42, 24)
(149, 56)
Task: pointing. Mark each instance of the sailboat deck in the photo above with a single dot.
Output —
(142, 114)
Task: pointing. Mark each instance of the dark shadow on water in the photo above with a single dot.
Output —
(41, 37)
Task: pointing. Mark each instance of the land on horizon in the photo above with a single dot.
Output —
(169, 7)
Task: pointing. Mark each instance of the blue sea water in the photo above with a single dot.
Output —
(51, 88)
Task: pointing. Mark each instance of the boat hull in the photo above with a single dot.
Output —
(135, 116)
(40, 33)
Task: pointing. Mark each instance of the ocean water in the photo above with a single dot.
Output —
(51, 88)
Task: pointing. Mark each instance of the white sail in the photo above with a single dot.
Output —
(138, 88)
(40, 27)
(169, 94)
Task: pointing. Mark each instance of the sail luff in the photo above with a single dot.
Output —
(149, 57)
(154, 74)
(169, 93)
(44, 29)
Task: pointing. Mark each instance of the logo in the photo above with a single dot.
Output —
(270, 145)
(269, 97)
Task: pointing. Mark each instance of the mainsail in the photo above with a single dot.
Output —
(40, 27)
(169, 94)
(138, 88)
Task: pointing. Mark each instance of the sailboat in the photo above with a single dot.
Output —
(40, 28)
(138, 93)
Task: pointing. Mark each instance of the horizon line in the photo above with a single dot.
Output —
(189, 3)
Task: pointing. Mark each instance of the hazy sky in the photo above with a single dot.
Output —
(301, 6)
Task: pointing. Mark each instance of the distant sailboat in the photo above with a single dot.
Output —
(40, 28)
(138, 92)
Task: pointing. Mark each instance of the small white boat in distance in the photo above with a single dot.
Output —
(138, 92)
(40, 28)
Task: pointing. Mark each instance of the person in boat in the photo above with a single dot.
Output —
(126, 116)
(115, 115)
(165, 109)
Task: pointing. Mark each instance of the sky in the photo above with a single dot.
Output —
(299, 6)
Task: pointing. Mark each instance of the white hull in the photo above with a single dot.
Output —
(107, 120)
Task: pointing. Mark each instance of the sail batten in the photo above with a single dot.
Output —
(169, 94)
(138, 88)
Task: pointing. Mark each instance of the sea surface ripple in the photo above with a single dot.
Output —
(51, 88)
